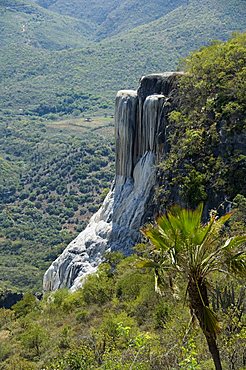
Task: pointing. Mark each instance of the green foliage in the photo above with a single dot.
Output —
(181, 246)
(206, 160)
(238, 220)
(27, 304)
(60, 66)
(139, 330)
(34, 339)
(234, 335)
(98, 287)
(190, 356)
(76, 359)
(55, 177)
(18, 362)
(161, 314)
(193, 187)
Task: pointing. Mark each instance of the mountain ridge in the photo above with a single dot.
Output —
(108, 65)
(114, 15)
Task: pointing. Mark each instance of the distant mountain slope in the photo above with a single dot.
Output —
(23, 22)
(114, 16)
(93, 10)
(132, 13)
(36, 77)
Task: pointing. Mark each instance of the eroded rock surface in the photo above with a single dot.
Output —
(139, 119)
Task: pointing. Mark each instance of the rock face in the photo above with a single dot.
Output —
(140, 119)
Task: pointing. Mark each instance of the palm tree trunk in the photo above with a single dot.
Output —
(213, 348)
(198, 298)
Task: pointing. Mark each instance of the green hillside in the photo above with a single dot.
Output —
(130, 14)
(113, 16)
(60, 80)
(52, 70)
(96, 11)
(24, 23)
(118, 322)
(53, 177)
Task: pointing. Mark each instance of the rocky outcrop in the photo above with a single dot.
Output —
(140, 120)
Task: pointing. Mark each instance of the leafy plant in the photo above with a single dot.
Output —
(182, 245)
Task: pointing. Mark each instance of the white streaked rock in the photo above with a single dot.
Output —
(115, 226)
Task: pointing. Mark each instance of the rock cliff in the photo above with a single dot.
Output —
(140, 129)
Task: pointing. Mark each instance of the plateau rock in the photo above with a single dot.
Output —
(140, 126)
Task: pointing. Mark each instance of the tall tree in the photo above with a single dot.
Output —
(182, 245)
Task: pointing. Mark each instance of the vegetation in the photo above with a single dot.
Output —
(114, 16)
(118, 321)
(181, 245)
(53, 172)
(49, 74)
(53, 177)
(207, 155)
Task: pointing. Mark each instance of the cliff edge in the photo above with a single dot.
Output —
(140, 125)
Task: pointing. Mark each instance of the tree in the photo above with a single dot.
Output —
(205, 160)
(34, 339)
(182, 245)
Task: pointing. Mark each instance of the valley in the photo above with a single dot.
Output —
(54, 177)
(170, 294)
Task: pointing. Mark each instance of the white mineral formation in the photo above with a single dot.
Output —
(115, 226)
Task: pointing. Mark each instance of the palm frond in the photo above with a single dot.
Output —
(159, 239)
(167, 228)
(211, 231)
(234, 242)
(210, 320)
(237, 263)
(185, 220)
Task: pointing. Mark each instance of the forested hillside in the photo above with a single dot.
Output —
(207, 159)
(53, 177)
(119, 319)
(60, 62)
(114, 16)
(40, 76)
(24, 23)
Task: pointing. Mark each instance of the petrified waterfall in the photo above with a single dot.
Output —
(140, 124)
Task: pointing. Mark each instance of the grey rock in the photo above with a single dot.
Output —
(115, 226)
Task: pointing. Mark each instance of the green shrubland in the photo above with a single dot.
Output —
(58, 66)
(118, 321)
(53, 177)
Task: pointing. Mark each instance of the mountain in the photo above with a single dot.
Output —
(95, 11)
(38, 77)
(194, 125)
(114, 16)
(24, 23)
(54, 66)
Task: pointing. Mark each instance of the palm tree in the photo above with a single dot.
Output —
(182, 245)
